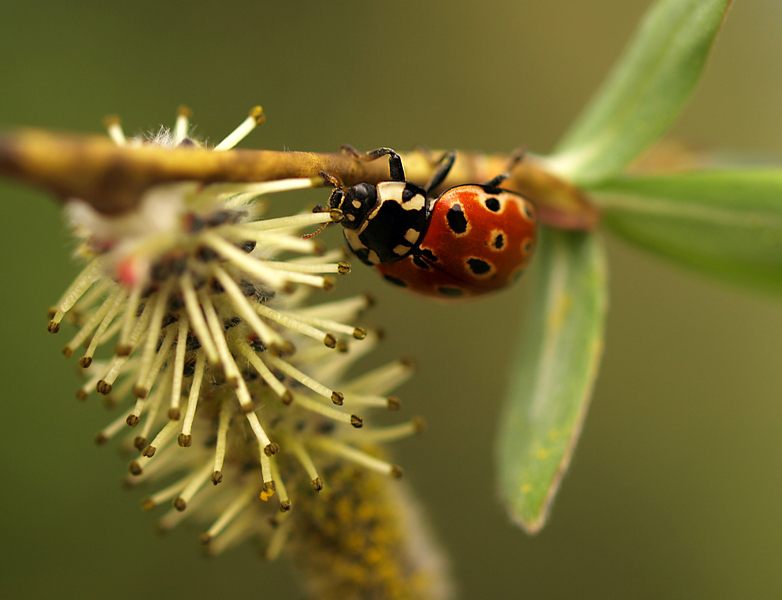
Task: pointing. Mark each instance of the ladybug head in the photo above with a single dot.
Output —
(355, 202)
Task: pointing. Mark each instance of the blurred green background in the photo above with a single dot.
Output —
(675, 490)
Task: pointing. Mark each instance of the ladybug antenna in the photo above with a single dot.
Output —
(335, 199)
(317, 209)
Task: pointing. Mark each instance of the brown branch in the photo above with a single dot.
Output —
(113, 178)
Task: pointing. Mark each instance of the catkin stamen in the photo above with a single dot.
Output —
(334, 368)
(260, 366)
(277, 540)
(304, 379)
(129, 318)
(245, 310)
(327, 411)
(231, 511)
(185, 437)
(81, 284)
(90, 385)
(147, 467)
(161, 357)
(295, 221)
(196, 316)
(152, 408)
(117, 425)
(269, 485)
(105, 384)
(355, 455)
(195, 483)
(341, 310)
(90, 324)
(353, 399)
(306, 461)
(90, 299)
(163, 436)
(243, 262)
(86, 360)
(179, 367)
(243, 527)
(160, 302)
(335, 255)
(329, 324)
(341, 268)
(255, 118)
(113, 126)
(296, 325)
(277, 242)
(382, 379)
(164, 495)
(182, 124)
(175, 516)
(285, 503)
(392, 433)
(266, 445)
(217, 331)
(222, 442)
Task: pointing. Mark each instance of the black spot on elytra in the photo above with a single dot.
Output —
(492, 204)
(478, 266)
(450, 292)
(394, 280)
(527, 245)
(499, 241)
(528, 212)
(456, 219)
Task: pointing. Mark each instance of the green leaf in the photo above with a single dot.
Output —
(725, 222)
(556, 370)
(645, 91)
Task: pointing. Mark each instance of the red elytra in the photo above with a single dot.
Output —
(477, 241)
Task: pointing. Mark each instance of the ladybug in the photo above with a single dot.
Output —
(470, 240)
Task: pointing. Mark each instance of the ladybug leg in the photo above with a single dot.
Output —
(394, 160)
(515, 158)
(443, 168)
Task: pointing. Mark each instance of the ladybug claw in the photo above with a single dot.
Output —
(332, 179)
(349, 150)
